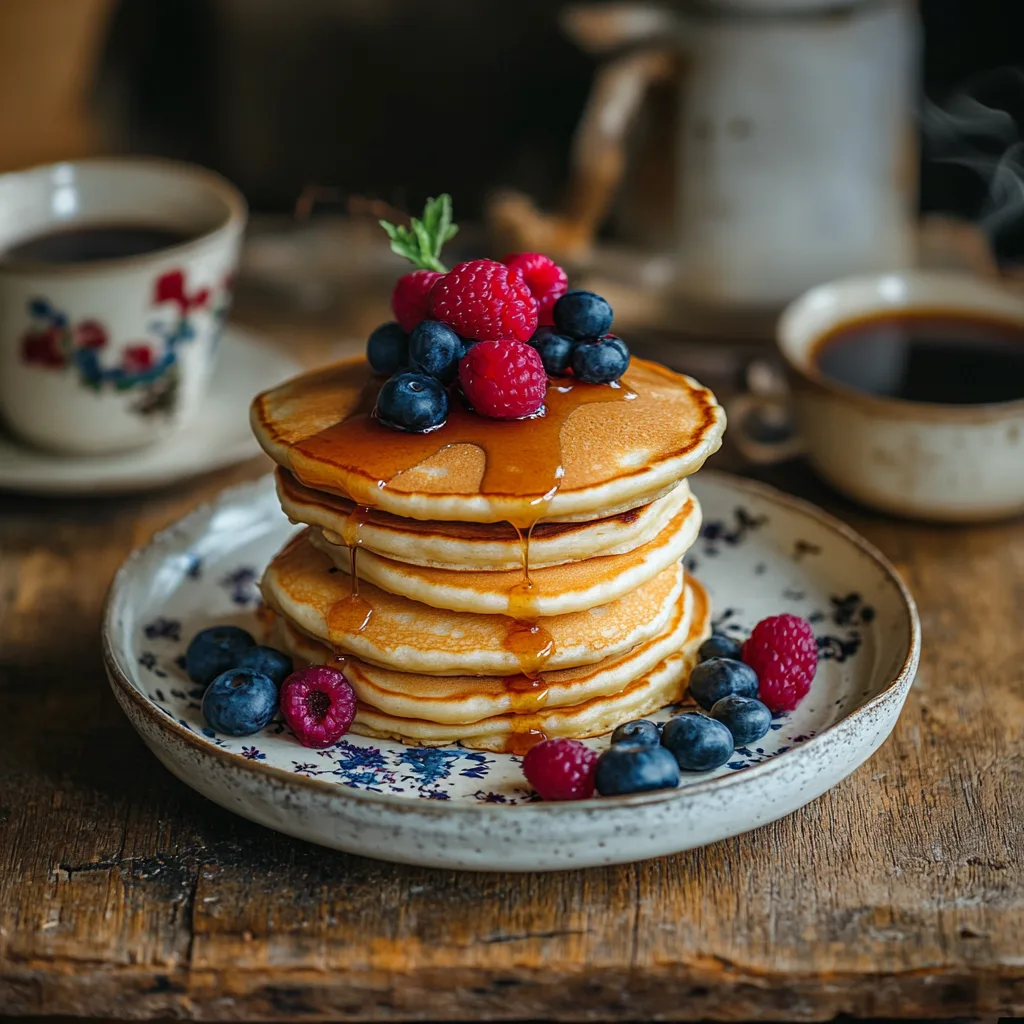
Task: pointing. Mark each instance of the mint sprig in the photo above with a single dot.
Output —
(422, 241)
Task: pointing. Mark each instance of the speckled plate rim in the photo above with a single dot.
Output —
(895, 689)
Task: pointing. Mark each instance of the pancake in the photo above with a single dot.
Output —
(664, 684)
(462, 700)
(598, 449)
(556, 590)
(487, 547)
(304, 586)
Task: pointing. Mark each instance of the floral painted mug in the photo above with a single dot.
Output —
(115, 282)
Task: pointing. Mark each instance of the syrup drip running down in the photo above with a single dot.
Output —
(529, 641)
(522, 742)
(528, 694)
(353, 613)
(522, 473)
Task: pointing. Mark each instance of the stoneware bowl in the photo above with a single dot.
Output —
(957, 463)
(760, 553)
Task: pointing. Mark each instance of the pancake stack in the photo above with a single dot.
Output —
(492, 583)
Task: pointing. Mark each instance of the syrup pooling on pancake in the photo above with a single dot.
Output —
(523, 461)
(615, 455)
(523, 458)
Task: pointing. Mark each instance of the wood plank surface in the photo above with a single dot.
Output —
(125, 894)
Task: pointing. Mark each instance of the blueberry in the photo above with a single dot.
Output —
(555, 350)
(746, 718)
(412, 401)
(634, 768)
(716, 678)
(601, 361)
(698, 743)
(435, 349)
(215, 650)
(388, 349)
(582, 314)
(718, 645)
(640, 732)
(269, 661)
(240, 702)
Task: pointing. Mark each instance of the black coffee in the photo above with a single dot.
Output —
(943, 358)
(97, 242)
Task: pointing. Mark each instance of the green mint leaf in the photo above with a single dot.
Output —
(443, 221)
(432, 214)
(400, 243)
(426, 243)
(422, 241)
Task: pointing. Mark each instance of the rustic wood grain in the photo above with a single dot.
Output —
(125, 894)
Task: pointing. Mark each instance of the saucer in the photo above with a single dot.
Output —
(219, 436)
(760, 553)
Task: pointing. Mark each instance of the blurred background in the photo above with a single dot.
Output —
(718, 155)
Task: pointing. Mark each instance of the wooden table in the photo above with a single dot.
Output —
(125, 894)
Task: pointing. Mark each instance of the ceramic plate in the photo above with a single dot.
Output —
(219, 436)
(759, 553)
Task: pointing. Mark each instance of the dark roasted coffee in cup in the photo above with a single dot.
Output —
(88, 243)
(945, 358)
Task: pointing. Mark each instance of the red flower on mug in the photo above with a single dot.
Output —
(89, 334)
(43, 348)
(170, 287)
(137, 359)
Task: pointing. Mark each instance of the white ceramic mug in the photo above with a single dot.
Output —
(113, 354)
(954, 463)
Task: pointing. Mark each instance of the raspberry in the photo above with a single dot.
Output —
(561, 769)
(784, 654)
(486, 301)
(410, 301)
(319, 705)
(546, 280)
(503, 379)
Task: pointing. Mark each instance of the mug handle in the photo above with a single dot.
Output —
(762, 428)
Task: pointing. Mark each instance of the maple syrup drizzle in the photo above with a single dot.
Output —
(351, 614)
(523, 458)
(523, 466)
(528, 694)
(529, 641)
(522, 742)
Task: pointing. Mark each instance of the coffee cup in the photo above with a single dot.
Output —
(953, 460)
(115, 282)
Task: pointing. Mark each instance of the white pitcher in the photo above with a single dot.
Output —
(797, 157)
(794, 148)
